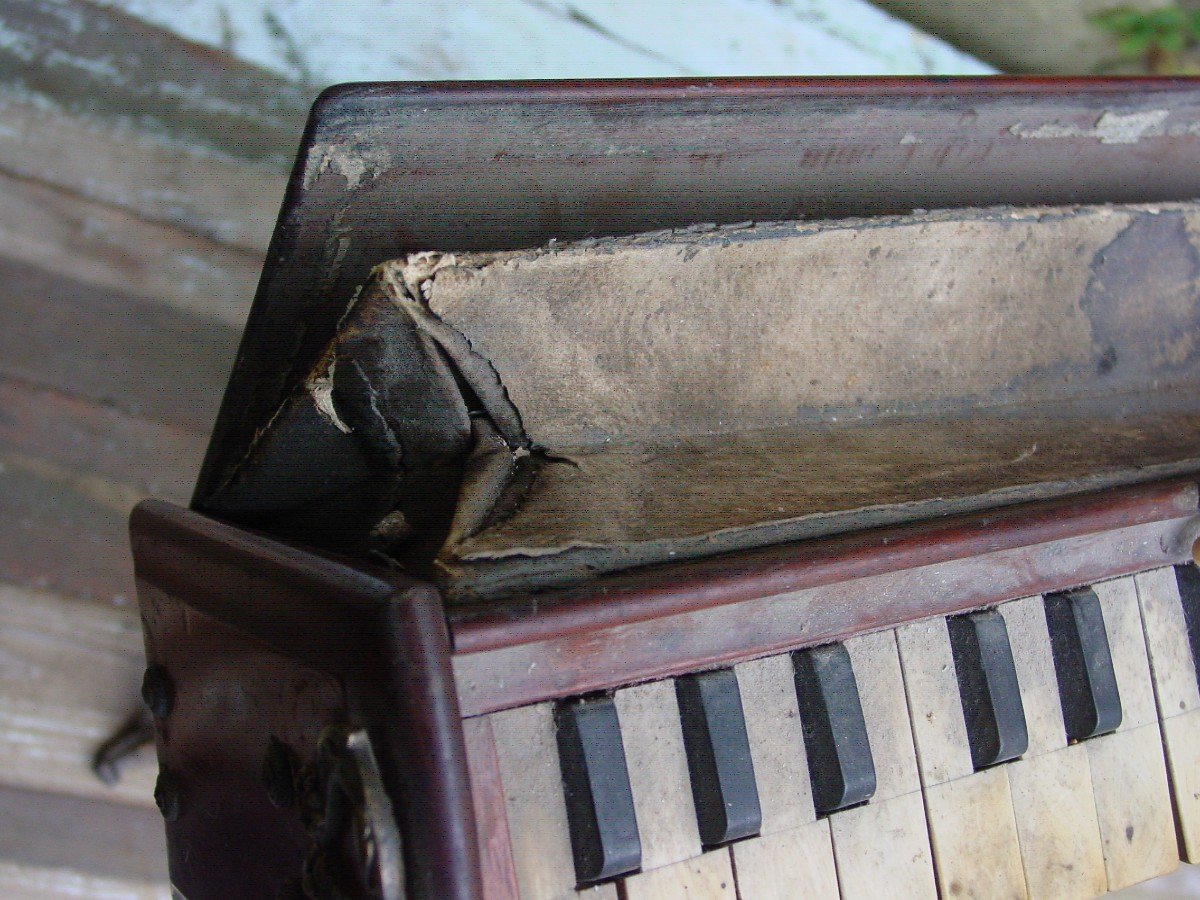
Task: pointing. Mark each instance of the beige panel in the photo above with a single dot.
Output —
(658, 773)
(935, 710)
(1181, 736)
(776, 736)
(876, 663)
(882, 850)
(1171, 661)
(1127, 641)
(708, 877)
(972, 829)
(527, 750)
(1056, 824)
(1029, 638)
(787, 864)
(1133, 805)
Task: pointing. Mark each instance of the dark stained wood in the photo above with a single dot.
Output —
(389, 168)
(706, 620)
(491, 816)
(382, 635)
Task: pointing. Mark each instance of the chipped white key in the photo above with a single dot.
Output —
(1129, 777)
(658, 773)
(882, 848)
(707, 877)
(1051, 786)
(1177, 695)
(972, 828)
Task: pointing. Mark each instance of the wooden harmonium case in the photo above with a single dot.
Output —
(733, 489)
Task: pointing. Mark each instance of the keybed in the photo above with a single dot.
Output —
(1043, 747)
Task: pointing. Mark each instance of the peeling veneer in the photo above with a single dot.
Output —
(540, 415)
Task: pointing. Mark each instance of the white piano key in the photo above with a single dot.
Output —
(527, 752)
(1127, 642)
(1175, 687)
(938, 728)
(1061, 851)
(876, 664)
(882, 848)
(1133, 805)
(707, 877)
(974, 836)
(1051, 786)
(776, 735)
(1034, 661)
(1178, 698)
(1129, 774)
(787, 864)
(1181, 734)
(658, 773)
(972, 827)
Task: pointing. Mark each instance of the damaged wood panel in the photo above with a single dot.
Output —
(504, 166)
(681, 394)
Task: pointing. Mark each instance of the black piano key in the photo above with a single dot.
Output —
(835, 735)
(1188, 579)
(1087, 684)
(600, 816)
(988, 688)
(718, 754)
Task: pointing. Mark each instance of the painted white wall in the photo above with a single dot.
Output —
(327, 41)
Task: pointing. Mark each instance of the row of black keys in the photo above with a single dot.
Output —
(600, 811)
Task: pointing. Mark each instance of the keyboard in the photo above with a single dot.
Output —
(1044, 747)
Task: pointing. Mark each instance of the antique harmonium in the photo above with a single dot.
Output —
(700, 489)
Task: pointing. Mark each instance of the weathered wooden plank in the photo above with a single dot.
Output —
(102, 839)
(105, 345)
(152, 176)
(69, 675)
(555, 38)
(104, 245)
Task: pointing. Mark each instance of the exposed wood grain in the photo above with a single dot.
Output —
(69, 676)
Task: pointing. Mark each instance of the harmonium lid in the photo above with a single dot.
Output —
(515, 335)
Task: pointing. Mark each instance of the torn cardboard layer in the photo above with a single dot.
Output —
(519, 419)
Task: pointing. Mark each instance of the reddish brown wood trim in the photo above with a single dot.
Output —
(708, 635)
(664, 590)
(491, 816)
(382, 634)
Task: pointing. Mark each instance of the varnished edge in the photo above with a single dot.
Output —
(691, 617)
(384, 635)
